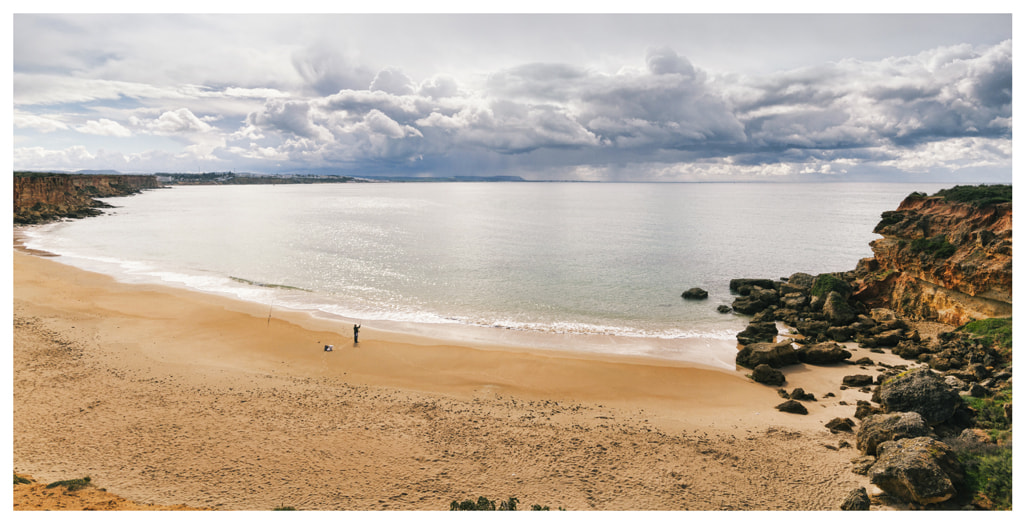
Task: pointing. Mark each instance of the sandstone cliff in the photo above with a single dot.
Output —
(945, 258)
(46, 197)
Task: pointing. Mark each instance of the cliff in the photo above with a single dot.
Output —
(46, 197)
(945, 258)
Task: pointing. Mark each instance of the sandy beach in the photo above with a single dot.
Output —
(166, 396)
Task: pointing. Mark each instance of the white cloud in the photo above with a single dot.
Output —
(179, 121)
(43, 123)
(104, 127)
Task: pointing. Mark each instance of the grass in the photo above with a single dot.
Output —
(71, 484)
(18, 480)
(993, 331)
(284, 508)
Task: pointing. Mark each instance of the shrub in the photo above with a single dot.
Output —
(284, 508)
(937, 246)
(988, 473)
(71, 484)
(18, 480)
(997, 331)
(990, 413)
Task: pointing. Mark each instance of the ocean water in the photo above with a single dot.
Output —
(584, 267)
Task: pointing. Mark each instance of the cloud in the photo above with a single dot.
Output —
(289, 118)
(391, 80)
(104, 127)
(177, 122)
(327, 71)
(42, 123)
(330, 102)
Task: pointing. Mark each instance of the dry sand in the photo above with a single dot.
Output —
(165, 396)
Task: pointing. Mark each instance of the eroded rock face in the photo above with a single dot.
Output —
(46, 197)
(922, 392)
(921, 470)
(943, 261)
(878, 429)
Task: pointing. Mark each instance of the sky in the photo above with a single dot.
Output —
(621, 97)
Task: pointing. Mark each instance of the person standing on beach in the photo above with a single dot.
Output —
(355, 334)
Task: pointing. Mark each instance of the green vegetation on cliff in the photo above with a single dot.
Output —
(936, 246)
(981, 196)
(995, 331)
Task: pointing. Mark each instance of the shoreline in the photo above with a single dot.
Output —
(176, 397)
(696, 351)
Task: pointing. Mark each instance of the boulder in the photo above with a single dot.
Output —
(865, 409)
(794, 301)
(758, 333)
(767, 375)
(840, 333)
(975, 436)
(823, 354)
(857, 499)
(748, 305)
(880, 428)
(861, 464)
(811, 328)
(920, 470)
(908, 349)
(764, 316)
(857, 380)
(744, 286)
(837, 310)
(775, 355)
(803, 280)
(695, 293)
(792, 407)
(976, 390)
(840, 424)
(889, 338)
(882, 315)
(955, 383)
(799, 395)
(919, 390)
(724, 309)
(765, 295)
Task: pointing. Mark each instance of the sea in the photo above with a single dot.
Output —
(579, 267)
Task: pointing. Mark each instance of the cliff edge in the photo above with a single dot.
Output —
(946, 257)
(44, 197)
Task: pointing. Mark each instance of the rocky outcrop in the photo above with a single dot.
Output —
(46, 197)
(941, 259)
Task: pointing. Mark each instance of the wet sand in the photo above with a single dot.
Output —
(166, 396)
